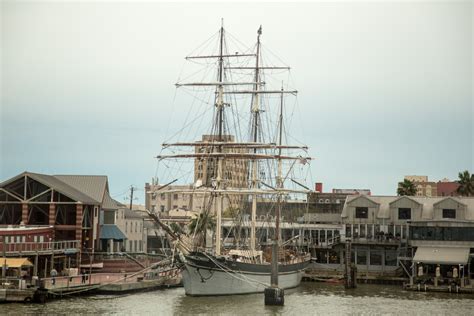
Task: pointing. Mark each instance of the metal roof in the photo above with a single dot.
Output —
(109, 203)
(111, 231)
(93, 186)
(442, 255)
(428, 204)
(62, 187)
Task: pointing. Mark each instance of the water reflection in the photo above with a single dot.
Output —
(308, 299)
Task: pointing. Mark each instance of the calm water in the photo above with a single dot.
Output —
(308, 299)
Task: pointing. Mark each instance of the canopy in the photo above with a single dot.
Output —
(442, 255)
(16, 262)
(109, 231)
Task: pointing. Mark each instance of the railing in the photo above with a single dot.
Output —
(377, 240)
(315, 242)
(55, 246)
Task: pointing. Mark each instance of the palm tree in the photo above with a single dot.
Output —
(176, 228)
(406, 187)
(466, 184)
(199, 225)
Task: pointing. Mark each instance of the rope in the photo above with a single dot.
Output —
(244, 278)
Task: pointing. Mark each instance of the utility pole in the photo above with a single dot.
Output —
(132, 189)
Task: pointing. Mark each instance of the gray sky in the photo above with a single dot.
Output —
(385, 89)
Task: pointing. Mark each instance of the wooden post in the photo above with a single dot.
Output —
(79, 215)
(35, 268)
(46, 267)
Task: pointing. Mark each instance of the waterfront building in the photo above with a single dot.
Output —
(135, 230)
(72, 206)
(388, 233)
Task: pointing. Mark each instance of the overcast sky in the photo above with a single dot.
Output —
(385, 89)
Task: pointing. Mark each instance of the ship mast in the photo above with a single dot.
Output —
(256, 112)
(220, 123)
(277, 237)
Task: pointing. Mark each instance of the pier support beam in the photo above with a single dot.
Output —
(274, 296)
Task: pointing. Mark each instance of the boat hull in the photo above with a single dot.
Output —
(201, 278)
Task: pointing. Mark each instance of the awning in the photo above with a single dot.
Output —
(442, 255)
(16, 262)
(109, 231)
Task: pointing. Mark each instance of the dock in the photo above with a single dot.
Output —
(439, 288)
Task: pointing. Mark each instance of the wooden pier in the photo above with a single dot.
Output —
(439, 288)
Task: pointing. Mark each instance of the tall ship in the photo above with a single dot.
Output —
(241, 160)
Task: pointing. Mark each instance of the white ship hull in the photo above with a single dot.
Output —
(205, 281)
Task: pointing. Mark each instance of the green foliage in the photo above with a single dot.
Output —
(200, 224)
(406, 188)
(176, 228)
(466, 183)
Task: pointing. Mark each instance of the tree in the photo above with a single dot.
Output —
(466, 183)
(176, 228)
(406, 187)
(199, 225)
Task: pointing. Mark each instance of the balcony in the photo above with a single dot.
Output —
(32, 248)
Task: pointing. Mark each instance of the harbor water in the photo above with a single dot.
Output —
(308, 299)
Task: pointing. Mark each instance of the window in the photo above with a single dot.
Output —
(41, 238)
(175, 196)
(361, 256)
(136, 229)
(163, 196)
(404, 213)
(126, 227)
(376, 257)
(449, 213)
(129, 245)
(362, 212)
(162, 208)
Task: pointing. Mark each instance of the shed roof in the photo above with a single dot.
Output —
(62, 187)
(111, 231)
(93, 186)
(16, 262)
(442, 255)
